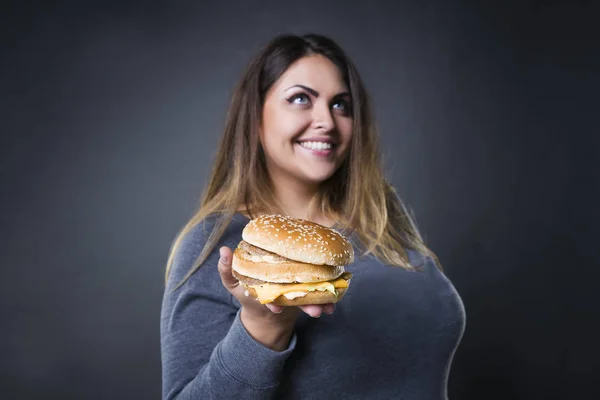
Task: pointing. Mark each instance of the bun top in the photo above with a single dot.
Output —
(299, 240)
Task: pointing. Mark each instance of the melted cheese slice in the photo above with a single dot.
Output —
(269, 292)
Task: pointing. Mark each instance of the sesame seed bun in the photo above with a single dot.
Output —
(299, 240)
(291, 262)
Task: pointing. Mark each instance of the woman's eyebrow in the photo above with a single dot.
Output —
(309, 90)
(314, 92)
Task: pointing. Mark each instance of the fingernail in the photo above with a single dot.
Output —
(273, 311)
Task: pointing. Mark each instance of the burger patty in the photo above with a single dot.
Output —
(250, 250)
(246, 280)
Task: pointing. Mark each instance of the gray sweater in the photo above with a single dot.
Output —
(392, 336)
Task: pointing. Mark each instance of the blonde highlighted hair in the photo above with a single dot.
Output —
(358, 196)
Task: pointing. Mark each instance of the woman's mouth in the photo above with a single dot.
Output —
(320, 149)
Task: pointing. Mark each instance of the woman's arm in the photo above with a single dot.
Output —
(207, 352)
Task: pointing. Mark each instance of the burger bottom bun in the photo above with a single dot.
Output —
(316, 297)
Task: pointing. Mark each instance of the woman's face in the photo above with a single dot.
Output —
(306, 122)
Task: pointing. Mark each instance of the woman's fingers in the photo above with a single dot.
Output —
(275, 309)
(224, 266)
(312, 310)
(329, 308)
(315, 310)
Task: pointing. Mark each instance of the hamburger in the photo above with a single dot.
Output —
(290, 262)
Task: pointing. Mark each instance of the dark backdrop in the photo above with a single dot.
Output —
(110, 119)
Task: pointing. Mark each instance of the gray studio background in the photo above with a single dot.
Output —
(111, 115)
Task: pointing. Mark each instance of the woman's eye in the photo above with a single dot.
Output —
(342, 105)
(300, 98)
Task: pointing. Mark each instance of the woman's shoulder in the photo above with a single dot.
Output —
(199, 234)
(415, 257)
(193, 242)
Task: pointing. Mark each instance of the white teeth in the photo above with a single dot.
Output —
(316, 145)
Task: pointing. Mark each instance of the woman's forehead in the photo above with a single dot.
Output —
(316, 72)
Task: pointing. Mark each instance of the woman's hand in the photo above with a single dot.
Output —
(269, 324)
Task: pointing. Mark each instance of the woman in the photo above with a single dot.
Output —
(300, 140)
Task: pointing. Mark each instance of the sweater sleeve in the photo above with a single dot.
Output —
(206, 351)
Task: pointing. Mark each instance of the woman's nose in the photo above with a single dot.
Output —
(322, 119)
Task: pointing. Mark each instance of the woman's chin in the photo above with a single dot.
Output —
(318, 177)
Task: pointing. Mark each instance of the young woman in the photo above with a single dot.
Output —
(300, 140)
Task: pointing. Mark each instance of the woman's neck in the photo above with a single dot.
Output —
(299, 201)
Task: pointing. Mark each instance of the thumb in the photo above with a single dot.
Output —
(224, 266)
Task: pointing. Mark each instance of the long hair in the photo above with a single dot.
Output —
(357, 194)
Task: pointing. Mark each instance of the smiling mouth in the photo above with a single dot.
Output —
(318, 146)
